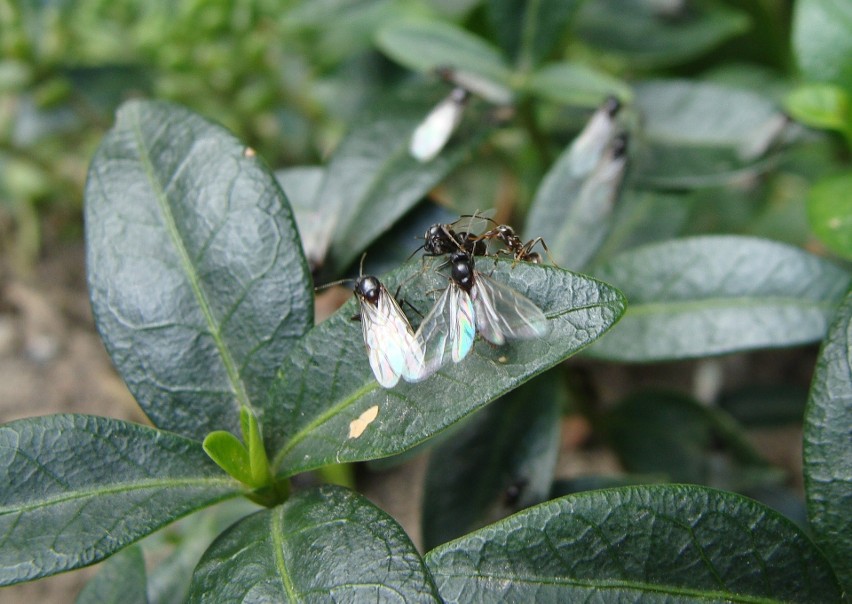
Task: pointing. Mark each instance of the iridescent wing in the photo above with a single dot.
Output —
(505, 314)
(391, 346)
(448, 330)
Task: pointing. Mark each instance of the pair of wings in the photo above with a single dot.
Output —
(392, 347)
(496, 311)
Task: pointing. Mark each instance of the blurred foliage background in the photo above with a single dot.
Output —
(289, 78)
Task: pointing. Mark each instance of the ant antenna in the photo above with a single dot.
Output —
(342, 281)
(361, 265)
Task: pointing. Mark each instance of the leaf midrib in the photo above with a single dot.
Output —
(234, 378)
(615, 584)
(119, 488)
(277, 530)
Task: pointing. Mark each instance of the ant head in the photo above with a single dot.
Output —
(368, 288)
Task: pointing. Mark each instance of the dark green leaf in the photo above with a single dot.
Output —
(771, 405)
(428, 45)
(327, 543)
(645, 216)
(196, 273)
(701, 134)
(783, 500)
(372, 180)
(699, 296)
(528, 30)
(501, 461)
(180, 546)
(822, 40)
(343, 29)
(653, 34)
(677, 437)
(79, 488)
(312, 215)
(670, 543)
(121, 580)
(576, 84)
(327, 383)
(830, 212)
(828, 448)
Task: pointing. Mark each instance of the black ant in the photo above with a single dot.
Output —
(515, 245)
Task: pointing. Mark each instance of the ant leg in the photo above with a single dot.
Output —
(528, 247)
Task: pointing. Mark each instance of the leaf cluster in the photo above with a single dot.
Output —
(699, 236)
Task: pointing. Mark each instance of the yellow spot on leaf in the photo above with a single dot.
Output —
(357, 426)
(249, 152)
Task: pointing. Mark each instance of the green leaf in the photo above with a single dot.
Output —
(501, 461)
(528, 30)
(669, 543)
(650, 34)
(821, 106)
(327, 383)
(372, 180)
(301, 184)
(573, 208)
(830, 212)
(196, 273)
(760, 406)
(576, 84)
(645, 216)
(428, 45)
(700, 134)
(121, 580)
(79, 488)
(253, 439)
(700, 296)
(822, 40)
(324, 543)
(180, 546)
(828, 449)
(229, 454)
(672, 435)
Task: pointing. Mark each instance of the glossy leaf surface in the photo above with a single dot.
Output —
(528, 31)
(709, 295)
(196, 273)
(121, 580)
(651, 544)
(822, 40)
(180, 546)
(648, 34)
(327, 383)
(372, 180)
(828, 448)
(79, 488)
(322, 544)
(428, 45)
(576, 84)
(501, 461)
(301, 184)
(701, 134)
